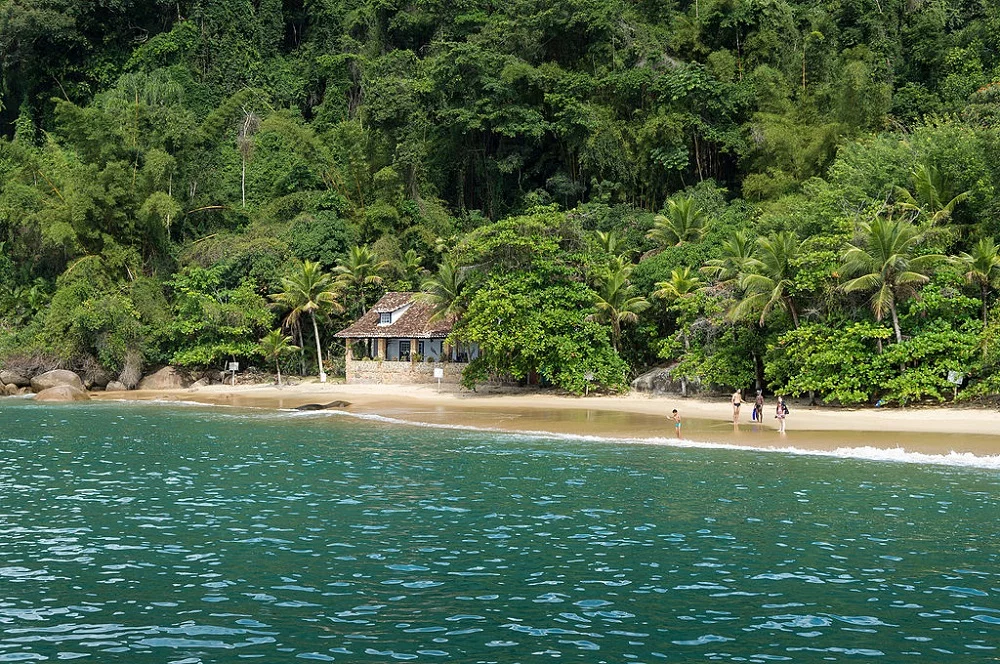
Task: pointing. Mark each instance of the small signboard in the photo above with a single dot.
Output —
(955, 378)
(234, 366)
(438, 373)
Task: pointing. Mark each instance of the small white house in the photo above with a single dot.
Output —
(396, 341)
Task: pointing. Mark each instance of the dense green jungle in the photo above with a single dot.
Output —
(793, 194)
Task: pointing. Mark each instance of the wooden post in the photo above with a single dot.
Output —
(413, 351)
(381, 348)
(348, 352)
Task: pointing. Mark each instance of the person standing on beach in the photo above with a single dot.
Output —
(677, 423)
(780, 411)
(758, 407)
(737, 400)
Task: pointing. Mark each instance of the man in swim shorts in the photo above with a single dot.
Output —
(737, 400)
(677, 422)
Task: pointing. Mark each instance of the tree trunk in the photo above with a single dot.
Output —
(319, 350)
(895, 321)
(243, 182)
(895, 326)
(984, 305)
(277, 365)
(795, 314)
(302, 349)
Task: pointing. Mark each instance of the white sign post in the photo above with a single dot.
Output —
(956, 379)
(439, 374)
(234, 367)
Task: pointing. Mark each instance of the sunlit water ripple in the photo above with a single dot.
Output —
(183, 535)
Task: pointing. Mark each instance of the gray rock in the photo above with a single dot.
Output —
(201, 382)
(17, 378)
(323, 406)
(62, 393)
(661, 381)
(115, 386)
(54, 378)
(167, 378)
(11, 389)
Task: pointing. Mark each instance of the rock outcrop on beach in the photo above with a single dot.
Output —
(115, 386)
(62, 393)
(323, 406)
(14, 378)
(662, 381)
(55, 378)
(167, 378)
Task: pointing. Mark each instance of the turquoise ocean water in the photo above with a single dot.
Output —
(154, 533)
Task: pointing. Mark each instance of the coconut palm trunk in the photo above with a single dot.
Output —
(277, 365)
(319, 350)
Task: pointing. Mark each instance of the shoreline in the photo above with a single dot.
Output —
(932, 430)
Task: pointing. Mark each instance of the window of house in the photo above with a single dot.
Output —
(404, 351)
(385, 318)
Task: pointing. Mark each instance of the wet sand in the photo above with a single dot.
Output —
(938, 430)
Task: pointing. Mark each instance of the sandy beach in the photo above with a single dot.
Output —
(928, 430)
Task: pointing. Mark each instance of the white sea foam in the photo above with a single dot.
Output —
(867, 453)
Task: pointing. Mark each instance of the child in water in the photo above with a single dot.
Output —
(677, 422)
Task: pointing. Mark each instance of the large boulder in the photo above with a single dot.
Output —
(8, 377)
(54, 378)
(115, 386)
(11, 390)
(167, 378)
(662, 381)
(62, 393)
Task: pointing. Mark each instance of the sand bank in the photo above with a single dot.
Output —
(927, 430)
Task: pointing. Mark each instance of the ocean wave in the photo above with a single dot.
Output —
(865, 453)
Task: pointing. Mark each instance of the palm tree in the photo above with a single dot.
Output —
(362, 268)
(982, 267)
(932, 189)
(681, 285)
(736, 252)
(610, 242)
(769, 277)
(684, 222)
(410, 268)
(443, 291)
(615, 302)
(274, 345)
(309, 291)
(887, 265)
(680, 290)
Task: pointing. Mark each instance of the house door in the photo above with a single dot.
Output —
(404, 351)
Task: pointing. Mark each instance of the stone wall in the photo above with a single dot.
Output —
(395, 373)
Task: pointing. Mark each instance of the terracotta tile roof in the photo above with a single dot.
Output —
(414, 323)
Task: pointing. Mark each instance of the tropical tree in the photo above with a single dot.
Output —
(981, 267)
(737, 250)
(275, 344)
(684, 222)
(410, 268)
(683, 283)
(361, 268)
(443, 291)
(887, 265)
(615, 302)
(610, 242)
(679, 293)
(309, 291)
(768, 278)
(935, 195)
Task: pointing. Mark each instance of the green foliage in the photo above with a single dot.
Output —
(786, 144)
(211, 323)
(525, 325)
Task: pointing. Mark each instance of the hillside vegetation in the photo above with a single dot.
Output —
(799, 194)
